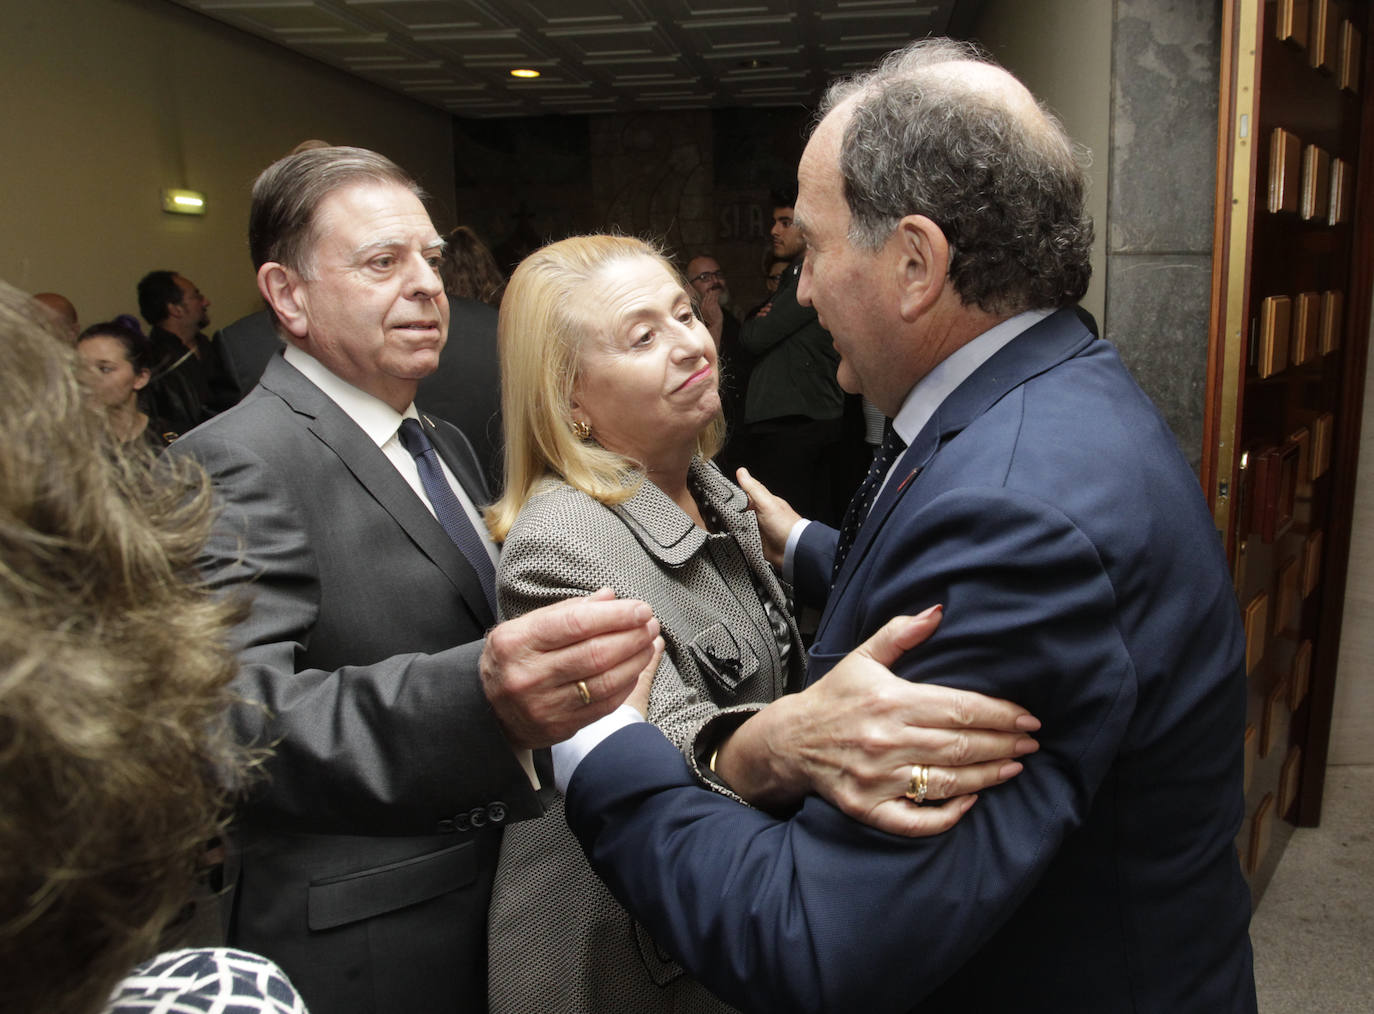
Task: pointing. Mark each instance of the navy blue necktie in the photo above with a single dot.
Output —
(447, 508)
(888, 452)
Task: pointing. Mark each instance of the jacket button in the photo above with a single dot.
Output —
(496, 812)
(478, 816)
(447, 827)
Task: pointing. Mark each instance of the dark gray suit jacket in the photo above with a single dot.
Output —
(247, 345)
(368, 849)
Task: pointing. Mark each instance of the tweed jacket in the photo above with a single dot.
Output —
(558, 941)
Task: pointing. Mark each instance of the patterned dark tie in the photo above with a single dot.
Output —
(447, 508)
(888, 452)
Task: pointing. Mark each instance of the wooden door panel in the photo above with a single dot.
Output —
(1281, 407)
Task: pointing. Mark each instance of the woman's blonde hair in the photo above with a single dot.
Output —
(115, 758)
(541, 339)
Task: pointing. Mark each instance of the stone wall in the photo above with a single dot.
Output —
(696, 181)
(1165, 85)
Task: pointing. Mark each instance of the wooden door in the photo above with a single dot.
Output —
(1290, 315)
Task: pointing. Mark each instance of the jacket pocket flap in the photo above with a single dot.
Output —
(338, 900)
(721, 658)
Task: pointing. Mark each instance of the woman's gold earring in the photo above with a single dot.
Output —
(581, 429)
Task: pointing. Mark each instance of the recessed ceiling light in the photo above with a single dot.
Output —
(524, 72)
(754, 64)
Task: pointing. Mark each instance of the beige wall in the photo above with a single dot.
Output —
(1032, 40)
(1352, 718)
(105, 102)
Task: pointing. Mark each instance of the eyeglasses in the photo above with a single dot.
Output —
(708, 276)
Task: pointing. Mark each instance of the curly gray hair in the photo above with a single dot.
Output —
(1007, 189)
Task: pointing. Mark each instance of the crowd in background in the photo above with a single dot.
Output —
(161, 377)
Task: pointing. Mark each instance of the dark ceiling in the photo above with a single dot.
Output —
(594, 55)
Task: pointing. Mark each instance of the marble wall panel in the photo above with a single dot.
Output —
(1157, 309)
(1166, 60)
(1165, 89)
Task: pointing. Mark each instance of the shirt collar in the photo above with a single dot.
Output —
(930, 391)
(376, 418)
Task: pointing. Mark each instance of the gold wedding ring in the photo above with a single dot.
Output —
(583, 692)
(919, 782)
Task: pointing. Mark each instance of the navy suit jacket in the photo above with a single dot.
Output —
(1047, 507)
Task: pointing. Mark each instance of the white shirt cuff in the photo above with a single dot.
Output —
(789, 552)
(526, 759)
(568, 754)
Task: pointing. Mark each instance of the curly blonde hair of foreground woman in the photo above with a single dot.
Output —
(114, 672)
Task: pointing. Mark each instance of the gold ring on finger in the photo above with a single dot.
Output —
(583, 692)
(919, 782)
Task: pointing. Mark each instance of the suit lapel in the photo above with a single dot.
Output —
(1041, 347)
(379, 478)
(460, 459)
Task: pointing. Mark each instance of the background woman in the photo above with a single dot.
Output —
(469, 269)
(115, 362)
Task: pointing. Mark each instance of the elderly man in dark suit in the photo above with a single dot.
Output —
(1029, 486)
(401, 729)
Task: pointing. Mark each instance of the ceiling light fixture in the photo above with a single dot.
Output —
(524, 72)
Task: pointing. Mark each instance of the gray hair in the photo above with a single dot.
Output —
(1008, 190)
(288, 193)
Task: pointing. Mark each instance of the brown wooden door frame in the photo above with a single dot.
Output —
(1345, 458)
(1243, 23)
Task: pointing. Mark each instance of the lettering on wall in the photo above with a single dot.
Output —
(743, 221)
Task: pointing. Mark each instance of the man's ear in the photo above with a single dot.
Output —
(282, 289)
(922, 264)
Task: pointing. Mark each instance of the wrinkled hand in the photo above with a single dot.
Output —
(776, 516)
(531, 665)
(854, 735)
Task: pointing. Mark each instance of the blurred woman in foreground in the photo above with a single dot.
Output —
(114, 669)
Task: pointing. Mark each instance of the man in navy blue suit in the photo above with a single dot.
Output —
(1037, 495)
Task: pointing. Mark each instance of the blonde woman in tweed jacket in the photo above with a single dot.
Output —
(611, 413)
